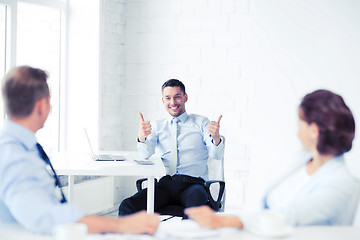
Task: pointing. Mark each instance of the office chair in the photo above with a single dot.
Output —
(215, 188)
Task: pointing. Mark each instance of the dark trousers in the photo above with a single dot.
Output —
(181, 190)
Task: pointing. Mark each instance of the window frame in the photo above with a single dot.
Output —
(11, 49)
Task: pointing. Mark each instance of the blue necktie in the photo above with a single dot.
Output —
(173, 148)
(45, 157)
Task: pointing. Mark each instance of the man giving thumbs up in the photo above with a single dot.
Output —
(185, 142)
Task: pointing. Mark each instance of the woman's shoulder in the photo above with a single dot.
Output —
(338, 174)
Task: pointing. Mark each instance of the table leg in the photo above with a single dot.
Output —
(70, 187)
(150, 196)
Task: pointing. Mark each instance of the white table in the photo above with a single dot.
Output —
(309, 233)
(15, 232)
(8, 232)
(83, 164)
(188, 229)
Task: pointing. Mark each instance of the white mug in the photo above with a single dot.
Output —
(271, 222)
(76, 231)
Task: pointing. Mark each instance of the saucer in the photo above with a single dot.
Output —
(184, 229)
(274, 233)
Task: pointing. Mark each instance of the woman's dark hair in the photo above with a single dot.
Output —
(174, 83)
(334, 119)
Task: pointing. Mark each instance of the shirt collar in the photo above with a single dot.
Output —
(24, 135)
(182, 118)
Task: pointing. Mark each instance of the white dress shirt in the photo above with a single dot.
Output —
(329, 197)
(195, 145)
(280, 196)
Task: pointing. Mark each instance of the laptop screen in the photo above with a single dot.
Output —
(87, 137)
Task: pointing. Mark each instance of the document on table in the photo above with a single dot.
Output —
(174, 228)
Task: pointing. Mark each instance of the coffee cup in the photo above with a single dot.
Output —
(271, 222)
(76, 231)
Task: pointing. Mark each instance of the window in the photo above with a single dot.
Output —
(38, 45)
(38, 42)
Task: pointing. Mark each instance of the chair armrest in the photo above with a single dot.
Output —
(216, 205)
(140, 181)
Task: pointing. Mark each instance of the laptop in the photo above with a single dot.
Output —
(103, 157)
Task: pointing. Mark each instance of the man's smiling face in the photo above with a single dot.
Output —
(174, 100)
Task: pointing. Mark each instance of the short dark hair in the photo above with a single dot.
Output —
(22, 87)
(174, 83)
(334, 119)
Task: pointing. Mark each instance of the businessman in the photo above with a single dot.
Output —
(185, 142)
(27, 188)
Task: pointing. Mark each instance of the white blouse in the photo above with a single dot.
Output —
(281, 195)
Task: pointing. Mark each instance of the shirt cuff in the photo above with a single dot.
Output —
(212, 140)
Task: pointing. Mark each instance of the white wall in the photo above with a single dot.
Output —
(112, 37)
(297, 47)
(82, 88)
(250, 60)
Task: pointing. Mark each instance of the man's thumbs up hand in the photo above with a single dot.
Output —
(144, 128)
(214, 130)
